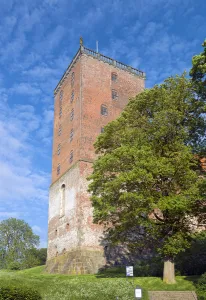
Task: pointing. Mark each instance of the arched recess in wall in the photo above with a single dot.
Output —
(62, 200)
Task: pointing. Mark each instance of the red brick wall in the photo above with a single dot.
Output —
(92, 88)
(97, 90)
(66, 123)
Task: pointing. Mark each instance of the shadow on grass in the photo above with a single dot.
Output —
(192, 279)
(112, 272)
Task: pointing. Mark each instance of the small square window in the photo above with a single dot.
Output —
(104, 110)
(71, 134)
(72, 79)
(59, 149)
(114, 77)
(114, 95)
(72, 96)
(60, 112)
(58, 169)
(102, 129)
(71, 157)
(60, 130)
(72, 114)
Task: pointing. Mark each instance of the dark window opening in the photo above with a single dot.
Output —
(59, 149)
(114, 95)
(58, 169)
(102, 129)
(72, 96)
(72, 115)
(72, 80)
(60, 130)
(71, 157)
(104, 110)
(61, 96)
(60, 112)
(71, 134)
(114, 77)
(67, 227)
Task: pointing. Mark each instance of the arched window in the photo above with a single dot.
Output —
(71, 157)
(62, 200)
(114, 95)
(67, 227)
(60, 130)
(104, 110)
(58, 169)
(59, 149)
(72, 96)
(60, 97)
(72, 114)
(72, 79)
(60, 111)
(114, 76)
(71, 134)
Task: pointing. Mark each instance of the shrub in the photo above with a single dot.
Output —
(201, 287)
(14, 266)
(11, 292)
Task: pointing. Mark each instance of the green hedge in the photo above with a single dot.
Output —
(11, 292)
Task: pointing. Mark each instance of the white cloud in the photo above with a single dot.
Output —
(36, 229)
(41, 72)
(7, 214)
(25, 89)
(13, 49)
(20, 180)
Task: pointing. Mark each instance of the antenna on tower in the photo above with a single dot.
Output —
(97, 44)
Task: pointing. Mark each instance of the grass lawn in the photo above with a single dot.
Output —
(89, 287)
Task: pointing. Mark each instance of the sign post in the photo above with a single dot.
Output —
(129, 271)
(138, 292)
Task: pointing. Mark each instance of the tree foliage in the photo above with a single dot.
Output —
(16, 239)
(147, 185)
(198, 75)
(198, 72)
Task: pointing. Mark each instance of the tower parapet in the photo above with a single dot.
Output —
(101, 57)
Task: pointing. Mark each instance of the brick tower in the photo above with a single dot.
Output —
(92, 92)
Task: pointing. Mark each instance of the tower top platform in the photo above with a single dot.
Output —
(100, 57)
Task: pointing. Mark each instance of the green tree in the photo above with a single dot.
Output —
(198, 72)
(146, 184)
(35, 257)
(16, 238)
(198, 75)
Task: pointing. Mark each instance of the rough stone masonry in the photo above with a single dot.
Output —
(92, 92)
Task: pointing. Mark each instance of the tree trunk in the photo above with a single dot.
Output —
(169, 271)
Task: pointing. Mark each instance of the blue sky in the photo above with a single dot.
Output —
(37, 41)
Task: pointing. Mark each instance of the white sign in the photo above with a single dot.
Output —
(129, 271)
(138, 293)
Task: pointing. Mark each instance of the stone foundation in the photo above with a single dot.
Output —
(77, 262)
